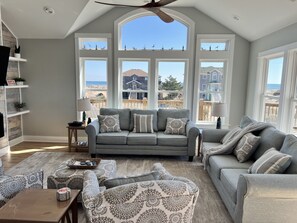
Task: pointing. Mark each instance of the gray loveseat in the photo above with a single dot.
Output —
(255, 197)
(157, 143)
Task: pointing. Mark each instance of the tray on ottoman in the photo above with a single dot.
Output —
(91, 163)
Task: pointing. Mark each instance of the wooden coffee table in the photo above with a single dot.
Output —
(38, 205)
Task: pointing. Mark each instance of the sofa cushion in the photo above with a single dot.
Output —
(229, 179)
(219, 162)
(109, 183)
(163, 114)
(176, 126)
(142, 139)
(144, 112)
(290, 147)
(124, 115)
(270, 137)
(171, 140)
(109, 123)
(246, 147)
(143, 123)
(113, 138)
(271, 162)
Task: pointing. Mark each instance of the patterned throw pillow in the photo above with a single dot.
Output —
(246, 147)
(272, 161)
(143, 123)
(109, 123)
(233, 132)
(176, 126)
(10, 186)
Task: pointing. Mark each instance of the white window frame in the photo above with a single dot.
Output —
(288, 89)
(81, 54)
(216, 56)
(155, 56)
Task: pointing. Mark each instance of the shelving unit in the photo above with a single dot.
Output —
(17, 59)
(16, 86)
(10, 115)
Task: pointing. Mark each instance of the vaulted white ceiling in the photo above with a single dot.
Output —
(251, 19)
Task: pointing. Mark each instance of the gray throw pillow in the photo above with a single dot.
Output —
(128, 180)
(176, 126)
(10, 186)
(246, 147)
(233, 132)
(143, 123)
(271, 162)
(109, 123)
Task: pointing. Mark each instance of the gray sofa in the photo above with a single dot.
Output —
(255, 197)
(157, 143)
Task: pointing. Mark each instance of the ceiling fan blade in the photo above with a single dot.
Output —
(164, 2)
(105, 3)
(162, 15)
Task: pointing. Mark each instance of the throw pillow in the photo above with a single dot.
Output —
(128, 180)
(10, 186)
(143, 123)
(109, 123)
(176, 126)
(233, 132)
(246, 147)
(272, 161)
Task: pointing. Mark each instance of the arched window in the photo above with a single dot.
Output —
(159, 53)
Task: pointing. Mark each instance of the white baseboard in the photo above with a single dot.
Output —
(58, 139)
(4, 151)
(16, 141)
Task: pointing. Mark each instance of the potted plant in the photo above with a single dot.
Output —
(17, 52)
(19, 106)
(19, 81)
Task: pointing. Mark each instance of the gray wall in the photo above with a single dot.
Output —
(50, 72)
(280, 38)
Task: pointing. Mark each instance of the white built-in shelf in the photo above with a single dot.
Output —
(17, 59)
(17, 86)
(9, 115)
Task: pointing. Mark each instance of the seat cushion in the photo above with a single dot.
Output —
(171, 140)
(163, 114)
(113, 138)
(123, 113)
(142, 139)
(219, 162)
(229, 179)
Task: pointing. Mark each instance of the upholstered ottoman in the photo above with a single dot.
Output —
(63, 176)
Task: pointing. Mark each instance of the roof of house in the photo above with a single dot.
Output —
(138, 72)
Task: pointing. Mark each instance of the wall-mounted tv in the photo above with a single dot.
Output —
(4, 58)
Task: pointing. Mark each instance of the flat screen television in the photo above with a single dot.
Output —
(4, 58)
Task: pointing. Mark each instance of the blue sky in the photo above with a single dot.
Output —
(275, 70)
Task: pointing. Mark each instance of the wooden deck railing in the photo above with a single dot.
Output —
(204, 114)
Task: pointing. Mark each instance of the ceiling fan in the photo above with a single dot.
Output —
(151, 6)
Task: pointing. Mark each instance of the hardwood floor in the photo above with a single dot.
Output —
(25, 149)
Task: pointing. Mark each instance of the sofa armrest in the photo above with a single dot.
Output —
(213, 135)
(192, 132)
(92, 130)
(266, 198)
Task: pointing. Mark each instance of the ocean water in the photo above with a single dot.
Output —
(99, 83)
(273, 86)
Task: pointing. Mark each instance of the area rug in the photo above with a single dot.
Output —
(209, 208)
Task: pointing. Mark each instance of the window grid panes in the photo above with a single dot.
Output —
(171, 84)
(134, 81)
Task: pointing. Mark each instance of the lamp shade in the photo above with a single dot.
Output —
(218, 109)
(84, 104)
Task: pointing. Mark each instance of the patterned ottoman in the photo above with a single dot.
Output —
(73, 178)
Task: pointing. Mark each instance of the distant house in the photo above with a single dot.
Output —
(134, 82)
(211, 81)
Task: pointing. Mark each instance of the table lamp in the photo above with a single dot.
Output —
(218, 110)
(84, 105)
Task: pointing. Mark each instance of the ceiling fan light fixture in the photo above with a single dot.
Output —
(48, 10)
